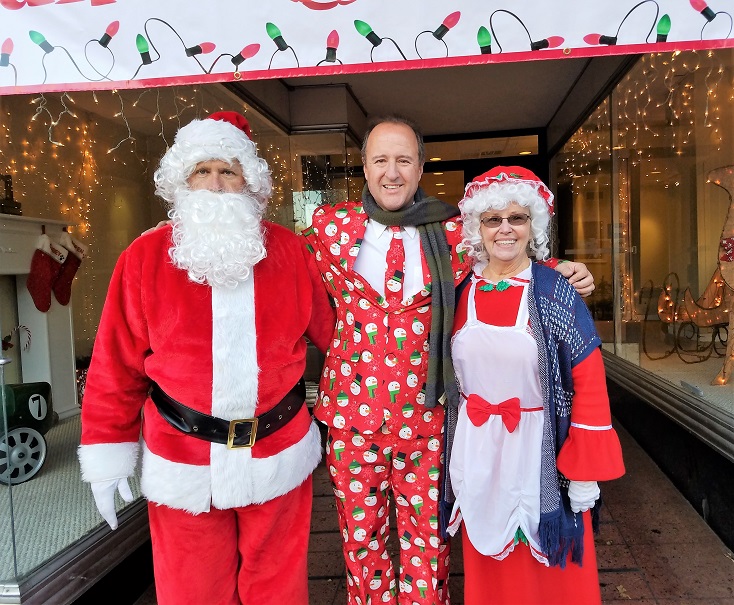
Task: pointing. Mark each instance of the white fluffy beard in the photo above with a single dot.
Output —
(217, 237)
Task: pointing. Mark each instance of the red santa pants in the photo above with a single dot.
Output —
(254, 555)
(366, 472)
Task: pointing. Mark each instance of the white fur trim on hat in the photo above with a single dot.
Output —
(203, 140)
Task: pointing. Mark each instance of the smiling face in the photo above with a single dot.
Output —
(392, 166)
(218, 176)
(507, 244)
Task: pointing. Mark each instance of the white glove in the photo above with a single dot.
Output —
(582, 495)
(104, 497)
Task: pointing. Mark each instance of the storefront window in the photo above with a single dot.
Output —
(84, 163)
(639, 203)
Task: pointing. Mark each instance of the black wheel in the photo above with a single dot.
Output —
(22, 454)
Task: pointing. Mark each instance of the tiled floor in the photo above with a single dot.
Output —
(653, 547)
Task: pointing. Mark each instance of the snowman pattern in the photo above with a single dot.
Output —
(423, 556)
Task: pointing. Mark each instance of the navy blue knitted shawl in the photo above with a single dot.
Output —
(565, 333)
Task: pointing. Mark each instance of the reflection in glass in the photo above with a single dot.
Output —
(661, 301)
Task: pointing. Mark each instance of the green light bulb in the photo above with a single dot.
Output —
(483, 37)
(664, 25)
(272, 30)
(363, 28)
(36, 37)
(142, 44)
(40, 39)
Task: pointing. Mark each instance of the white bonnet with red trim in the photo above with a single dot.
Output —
(509, 174)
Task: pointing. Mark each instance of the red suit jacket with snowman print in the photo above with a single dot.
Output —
(376, 364)
(231, 353)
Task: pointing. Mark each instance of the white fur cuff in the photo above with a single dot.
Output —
(105, 461)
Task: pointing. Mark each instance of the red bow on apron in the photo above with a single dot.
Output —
(479, 410)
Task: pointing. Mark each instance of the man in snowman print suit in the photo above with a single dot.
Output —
(203, 332)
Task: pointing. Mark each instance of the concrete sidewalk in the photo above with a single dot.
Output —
(653, 547)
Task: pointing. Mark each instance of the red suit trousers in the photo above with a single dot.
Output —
(254, 555)
(368, 472)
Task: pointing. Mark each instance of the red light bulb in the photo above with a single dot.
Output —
(250, 51)
(446, 25)
(112, 28)
(246, 53)
(549, 42)
(554, 41)
(600, 39)
(703, 8)
(452, 19)
(200, 49)
(5, 51)
(332, 41)
(110, 31)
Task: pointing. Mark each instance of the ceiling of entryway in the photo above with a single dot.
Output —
(485, 98)
(447, 103)
(489, 98)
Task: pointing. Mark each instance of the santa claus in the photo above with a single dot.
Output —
(203, 330)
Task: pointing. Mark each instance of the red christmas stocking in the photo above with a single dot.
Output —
(62, 284)
(45, 266)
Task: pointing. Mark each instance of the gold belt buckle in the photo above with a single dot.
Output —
(231, 434)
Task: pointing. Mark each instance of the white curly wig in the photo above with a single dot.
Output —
(497, 195)
(204, 140)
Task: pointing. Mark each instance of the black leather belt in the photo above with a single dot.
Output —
(234, 433)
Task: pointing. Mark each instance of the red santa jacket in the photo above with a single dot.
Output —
(229, 352)
(376, 365)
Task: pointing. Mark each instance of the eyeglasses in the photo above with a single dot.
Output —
(492, 222)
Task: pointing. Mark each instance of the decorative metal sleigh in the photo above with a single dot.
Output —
(713, 312)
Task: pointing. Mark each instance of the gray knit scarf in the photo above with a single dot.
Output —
(426, 214)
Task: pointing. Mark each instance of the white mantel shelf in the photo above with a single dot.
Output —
(31, 219)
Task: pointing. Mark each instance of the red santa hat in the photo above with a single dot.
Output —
(234, 118)
(511, 174)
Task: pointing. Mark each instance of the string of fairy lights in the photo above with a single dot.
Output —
(64, 160)
(670, 105)
(657, 108)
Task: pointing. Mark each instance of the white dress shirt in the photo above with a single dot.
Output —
(371, 260)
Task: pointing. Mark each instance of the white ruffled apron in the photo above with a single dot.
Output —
(496, 474)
